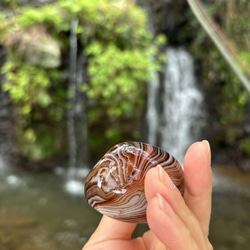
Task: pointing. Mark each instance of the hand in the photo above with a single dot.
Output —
(175, 222)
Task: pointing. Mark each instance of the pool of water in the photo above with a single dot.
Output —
(230, 220)
(40, 211)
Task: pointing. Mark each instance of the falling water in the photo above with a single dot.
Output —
(152, 115)
(6, 122)
(5, 128)
(77, 118)
(175, 115)
(72, 90)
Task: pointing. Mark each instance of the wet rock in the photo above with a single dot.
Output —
(36, 46)
(244, 165)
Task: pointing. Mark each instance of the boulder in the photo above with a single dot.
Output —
(36, 46)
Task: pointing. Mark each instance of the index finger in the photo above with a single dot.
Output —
(198, 182)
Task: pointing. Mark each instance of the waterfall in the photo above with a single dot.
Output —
(77, 116)
(174, 113)
(6, 123)
(152, 115)
(72, 92)
(6, 128)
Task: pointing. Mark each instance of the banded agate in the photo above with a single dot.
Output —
(115, 186)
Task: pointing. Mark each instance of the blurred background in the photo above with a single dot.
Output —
(79, 76)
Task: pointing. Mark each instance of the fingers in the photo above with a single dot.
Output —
(168, 215)
(176, 222)
(152, 242)
(113, 229)
(110, 229)
(166, 225)
(198, 182)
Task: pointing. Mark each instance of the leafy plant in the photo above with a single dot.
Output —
(245, 146)
(224, 90)
(118, 46)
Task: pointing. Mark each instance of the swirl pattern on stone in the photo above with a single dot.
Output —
(115, 186)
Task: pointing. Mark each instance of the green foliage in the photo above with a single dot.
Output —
(40, 143)
(245, 146)
(235, 23)
(245, 57)
(228, 97)
(233, 109)
(4, 28)
(118, 46)
(117, 76)
(11, 3)
(48, 16)
(99, 20)
(26, 85)
(29, 87)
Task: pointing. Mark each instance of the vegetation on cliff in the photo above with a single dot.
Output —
(117, 44)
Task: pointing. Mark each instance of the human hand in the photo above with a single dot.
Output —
(175, 222)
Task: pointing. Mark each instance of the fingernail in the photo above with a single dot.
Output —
(160, 201)
(206, 143)
(164, 206)
(165, 179)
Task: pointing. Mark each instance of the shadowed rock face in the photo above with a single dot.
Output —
(169, 17)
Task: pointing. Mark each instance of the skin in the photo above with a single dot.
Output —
(175, 222)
